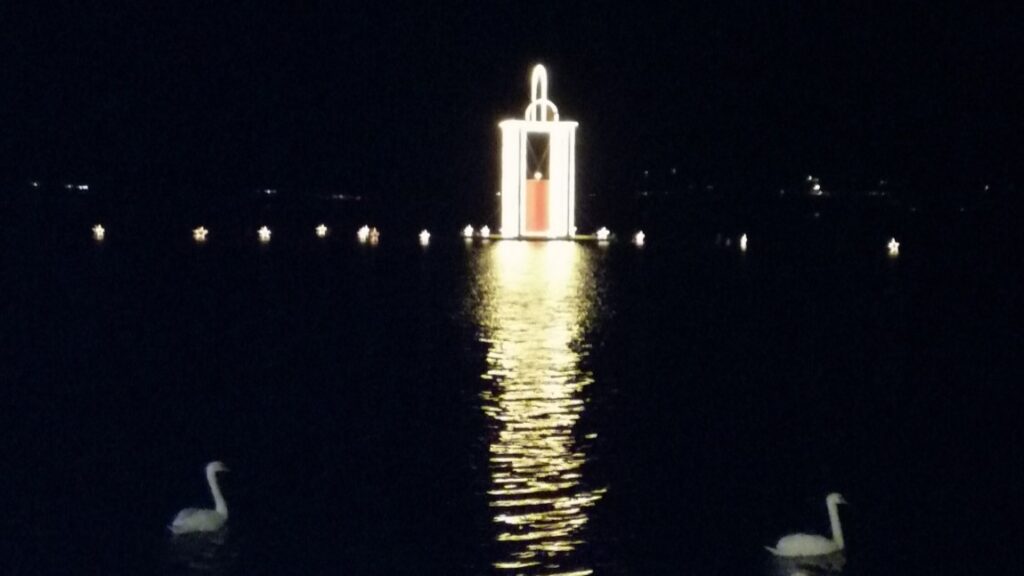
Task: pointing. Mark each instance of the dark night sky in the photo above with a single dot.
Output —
(383, 97)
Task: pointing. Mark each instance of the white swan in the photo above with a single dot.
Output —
(201, 519)
(796, 545)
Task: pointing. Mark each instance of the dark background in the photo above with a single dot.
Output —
(341, 382)
(401, 105)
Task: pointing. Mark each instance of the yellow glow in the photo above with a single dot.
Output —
(894, 247)
(424, 238)
(603, 234)
(639, 238)
(363, 233)
(264, 233)
(537, 299)
(467, 232)
(321, 231)
(743, 243)
(98, 232)
(374, 236)
(199, 234)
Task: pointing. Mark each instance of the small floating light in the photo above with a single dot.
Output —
(374, 236)
(264, 233)
(35, 184)
(199, 234)
(98, 232)
(321, 231)
(603, 234)
(894, 247)
(424, 237)
(485, 232)
(743, 243)
(363, 233)
(639, 237)
(467, 232)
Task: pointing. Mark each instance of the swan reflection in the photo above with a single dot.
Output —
(827, 565)
(535, 301)
(202, 553)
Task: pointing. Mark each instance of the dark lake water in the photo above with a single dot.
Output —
(505, 407)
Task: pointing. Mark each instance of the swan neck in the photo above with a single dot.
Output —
(837, 529)
(218, 498)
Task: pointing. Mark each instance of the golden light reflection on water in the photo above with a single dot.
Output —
(535, 300)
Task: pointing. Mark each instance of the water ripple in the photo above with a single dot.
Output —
(535, 299)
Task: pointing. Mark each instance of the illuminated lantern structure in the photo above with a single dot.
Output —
(538, 169)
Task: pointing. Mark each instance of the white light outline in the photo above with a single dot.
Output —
(541, 117)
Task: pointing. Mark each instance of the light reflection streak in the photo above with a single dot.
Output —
(535, 301)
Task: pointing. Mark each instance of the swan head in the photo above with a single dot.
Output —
(216, 466)
(835, 498)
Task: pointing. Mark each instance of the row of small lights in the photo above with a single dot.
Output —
(372, 235)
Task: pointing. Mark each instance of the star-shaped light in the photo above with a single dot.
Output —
(639, 237)
(467, 232)
(374, 236)
(894, 247)
(199, 234)
(485, 232)
(603, 234)
(321, 231)
(424, 237)
(264, 233)
(363, 233)
(98, 232)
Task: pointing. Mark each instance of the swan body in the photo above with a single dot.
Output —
(203, 519)
(802, 545)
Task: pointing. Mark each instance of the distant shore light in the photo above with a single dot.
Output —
(603, 234)
(639, 238)
(199, 234)
(467, 232)
(264, 233)
(424, 237)
(98, 232)
(363, 233)
(743, 243)
(485, 232)
(321, 231)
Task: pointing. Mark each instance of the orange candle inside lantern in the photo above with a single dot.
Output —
(536, 206)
